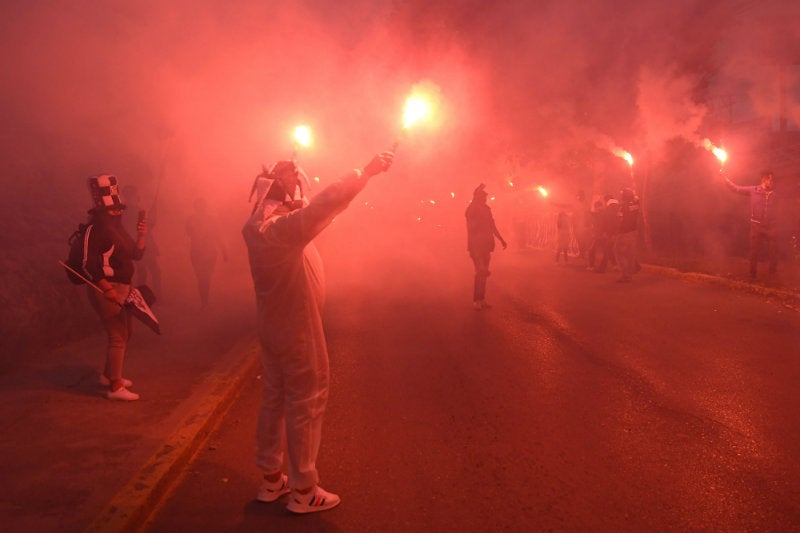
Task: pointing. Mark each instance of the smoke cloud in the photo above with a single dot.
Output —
(187, 99)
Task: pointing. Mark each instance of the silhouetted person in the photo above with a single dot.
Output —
(582, 223)
(597, 242)
(481, 232)
(205, 246)
(610, 226)
(562, 235)
(289, 285)
(627, 235)
(764, 216)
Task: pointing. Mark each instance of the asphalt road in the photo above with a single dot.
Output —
(574, 404)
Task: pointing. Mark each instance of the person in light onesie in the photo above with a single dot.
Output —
(290, 289)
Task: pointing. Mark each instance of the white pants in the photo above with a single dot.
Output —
(296, 380)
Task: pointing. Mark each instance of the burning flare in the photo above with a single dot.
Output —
(416, 108)
(420, 104)
(302, 135)
(719, 153)
(619, 152)
(542, 191)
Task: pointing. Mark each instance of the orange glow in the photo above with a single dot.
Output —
(719, 153)
(416, 109)
(619, 152)
(542, 191)
(302, 135)
(420, 104)
(629, 158)
(452, 195)
(510, 183)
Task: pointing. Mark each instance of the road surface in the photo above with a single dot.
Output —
(574, 404)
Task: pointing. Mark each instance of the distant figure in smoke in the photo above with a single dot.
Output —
(109, 253)
(204, 247)
(627, 235)
(597, 242)
(582, 223)
(290, 288)
(764, 215)
(148, 271)
(609, 229)
(481, 232)
(562, 235)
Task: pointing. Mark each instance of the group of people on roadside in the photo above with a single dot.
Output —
(608, 234)
(615, 229)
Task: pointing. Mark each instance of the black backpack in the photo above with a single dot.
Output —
(74, 261)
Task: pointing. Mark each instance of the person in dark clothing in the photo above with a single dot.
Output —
(562, 236)
(627, 235)
(610, 223)
(582, 224)
(597, 241)
(205, 246)
(109, 253)
(764, 216)
(481, 233)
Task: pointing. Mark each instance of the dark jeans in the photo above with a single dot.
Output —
(481, 262)
(763, 235)
(606, 245)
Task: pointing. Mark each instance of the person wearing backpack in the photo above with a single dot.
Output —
(108, 255)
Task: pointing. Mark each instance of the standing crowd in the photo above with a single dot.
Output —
(289, 288)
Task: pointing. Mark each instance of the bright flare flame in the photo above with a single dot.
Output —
(719, 153)
(542, 191)
(302, 135)
(619, 152)
(416, 109)
(629, 158)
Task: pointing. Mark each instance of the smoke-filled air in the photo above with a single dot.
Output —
(187, 101)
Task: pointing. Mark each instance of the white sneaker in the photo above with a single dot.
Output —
(315, 500)
(122, 394)
(270, 491)
(104, 381)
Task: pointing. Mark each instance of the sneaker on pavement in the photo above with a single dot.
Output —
(104, 381)
(315, 500)
(269, 491)
(122, 394)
